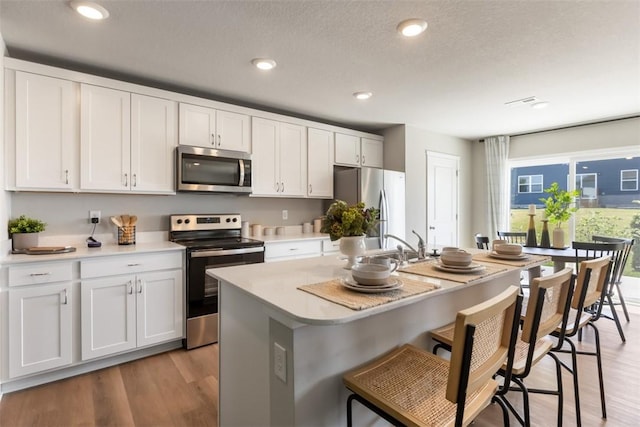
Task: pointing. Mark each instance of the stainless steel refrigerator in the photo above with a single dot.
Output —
(384, 189)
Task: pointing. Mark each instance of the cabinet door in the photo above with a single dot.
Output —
(159, 307)
(154, 136)
(108, 313)
(293, 160)
(39, 328)
(371, 153)
(233, 131)
(105, 139)
(347, 149)
(197, 126)
(46, 135)
(265, 163)
(320, 163)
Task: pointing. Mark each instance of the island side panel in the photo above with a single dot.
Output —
(243, 387)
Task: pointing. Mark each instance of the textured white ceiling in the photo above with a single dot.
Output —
(582, 56)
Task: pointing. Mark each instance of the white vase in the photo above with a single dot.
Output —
(24, 240)
(352, 247)
(558, 238)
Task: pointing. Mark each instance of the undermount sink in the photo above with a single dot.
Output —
(410, 256)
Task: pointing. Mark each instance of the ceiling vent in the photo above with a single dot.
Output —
(524, 101)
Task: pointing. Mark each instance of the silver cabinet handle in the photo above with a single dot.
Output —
(130, 287)
(219, 141)
(126, 179)
(277, 187)
(282, 190)
(357, 158)
(134, 180)
(39, 274)
(133, 264)
(66, 176)
(66, 300)
(310, 188)
(213, 139)
(139, 286)
(363, 159)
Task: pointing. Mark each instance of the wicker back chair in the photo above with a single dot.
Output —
(513, 236)
(590, 290)
(410, 386)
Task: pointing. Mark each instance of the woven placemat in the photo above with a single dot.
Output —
(333, 291)
(428, 269)
(531, 259)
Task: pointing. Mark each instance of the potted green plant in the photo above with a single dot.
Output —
(350, 224)
(558, 208)
(24, 231)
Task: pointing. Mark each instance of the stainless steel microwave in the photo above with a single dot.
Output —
(216, 171)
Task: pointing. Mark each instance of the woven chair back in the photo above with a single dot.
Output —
(493, 342)
(591, 282)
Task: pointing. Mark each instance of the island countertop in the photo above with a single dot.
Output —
(276, 285)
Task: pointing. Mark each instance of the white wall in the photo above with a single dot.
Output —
(414, 143)
(614, 135)
(5, 199)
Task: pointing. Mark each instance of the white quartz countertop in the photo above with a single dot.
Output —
(293, 237)
(275, 285)
(83, 252)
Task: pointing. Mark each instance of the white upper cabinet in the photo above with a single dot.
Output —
(154, 137)
(210, 128)
(355, 151)
(279, 159)
(46, 133)
(371, 153)
(319, 163)
(124, 150)
(347, 149)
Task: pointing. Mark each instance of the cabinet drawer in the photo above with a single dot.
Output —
(37, 273)
(113, 265)
(329, 246)
(292, 249)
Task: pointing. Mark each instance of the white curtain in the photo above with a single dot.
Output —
(496, 152)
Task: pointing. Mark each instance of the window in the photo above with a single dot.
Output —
(629, 180)
(587, 183)
(530, 184)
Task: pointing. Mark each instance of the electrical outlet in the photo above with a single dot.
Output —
(285, 214)
(280, 361)
(94, 217)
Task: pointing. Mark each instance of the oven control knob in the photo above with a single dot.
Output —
(235, 219)
(228, 219)
(179, 221)
(187, 221)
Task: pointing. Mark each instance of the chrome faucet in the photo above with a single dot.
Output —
(422, 250)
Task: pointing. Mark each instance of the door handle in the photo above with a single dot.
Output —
(126, 179)
(66, 300)
(431, 227)
(213, 139)
(66, 176)
(134, 180)
(130, 287)
(363, 161)
(139, 286)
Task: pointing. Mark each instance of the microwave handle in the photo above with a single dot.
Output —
(241, 163)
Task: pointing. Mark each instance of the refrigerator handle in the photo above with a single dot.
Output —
(384, 218)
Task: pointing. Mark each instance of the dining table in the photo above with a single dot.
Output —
(559, 256)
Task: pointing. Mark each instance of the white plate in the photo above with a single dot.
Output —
(471, 267)
(372, 289)
(512, 257)
(458, 270)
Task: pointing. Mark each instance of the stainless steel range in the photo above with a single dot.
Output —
(212, 241)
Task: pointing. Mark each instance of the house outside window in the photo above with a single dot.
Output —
(587, 184)
(629, 180)
(530, 184)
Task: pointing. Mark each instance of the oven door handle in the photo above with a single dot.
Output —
(224, 252)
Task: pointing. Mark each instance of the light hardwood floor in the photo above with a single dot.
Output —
(180, 388)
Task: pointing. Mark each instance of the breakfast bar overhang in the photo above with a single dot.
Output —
(269, 326)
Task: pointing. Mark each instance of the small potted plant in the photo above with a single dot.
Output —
(350, 224)
(24, 231)
(558, 208)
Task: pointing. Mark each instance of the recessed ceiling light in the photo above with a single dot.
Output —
(540, 105)
(90, 10)
(412, 27)
(362, 95)
(264, 63)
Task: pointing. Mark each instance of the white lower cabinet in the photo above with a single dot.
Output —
(121, 313)
(282, 251)
(40, 328)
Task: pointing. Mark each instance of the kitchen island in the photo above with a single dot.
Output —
(283, 351)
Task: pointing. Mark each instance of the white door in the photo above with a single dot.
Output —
(293, 160)
(159, 306)
(197, 126)
(265, 176)
(347, 151)
(372, 153)
(108, 313)
(233, 131)
(105, 138)
(46, 133)
(39, 328)
(320, 163)
(442, 199)
(154, 137)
